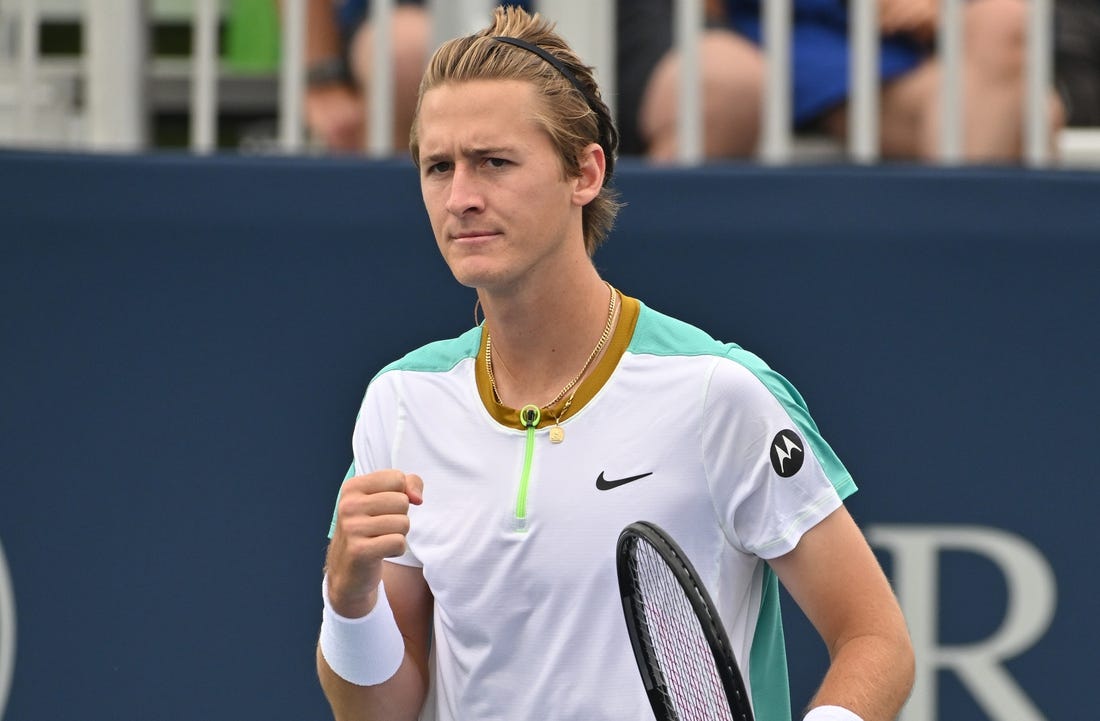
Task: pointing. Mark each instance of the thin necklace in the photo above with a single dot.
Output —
(557, 435)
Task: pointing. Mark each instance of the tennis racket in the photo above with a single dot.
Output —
(683, 655)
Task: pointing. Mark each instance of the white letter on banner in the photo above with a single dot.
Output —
(7, 631)
(1031, 587)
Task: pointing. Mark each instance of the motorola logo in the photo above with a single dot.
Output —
(7, 631)
(787, 453)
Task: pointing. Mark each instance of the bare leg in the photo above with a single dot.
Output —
(733, 81)
(411, 33)
(993, 90)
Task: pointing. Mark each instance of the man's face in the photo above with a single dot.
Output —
(493, 184)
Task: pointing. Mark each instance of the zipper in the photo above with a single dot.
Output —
(529, 416)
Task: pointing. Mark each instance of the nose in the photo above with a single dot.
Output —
(465, 192)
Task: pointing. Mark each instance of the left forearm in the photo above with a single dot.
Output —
(836, 580)
(870, 676)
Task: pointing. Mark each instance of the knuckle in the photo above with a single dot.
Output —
(394, 545)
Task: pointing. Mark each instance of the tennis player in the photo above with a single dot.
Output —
(471, 569)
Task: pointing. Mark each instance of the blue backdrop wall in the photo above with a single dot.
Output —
(185, 342)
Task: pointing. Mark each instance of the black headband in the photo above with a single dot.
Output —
(609, 136)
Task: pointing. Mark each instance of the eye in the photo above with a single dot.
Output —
(436, 168)
(497, 162)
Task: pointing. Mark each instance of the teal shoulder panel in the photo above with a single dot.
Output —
(440, 356)
(659, 334)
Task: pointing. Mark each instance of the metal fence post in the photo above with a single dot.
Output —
(863, 116)
(1040, 79)
(292, 76)
(204, 77)
(949, 39)
(775, 146)
(380, 88)
(688, 27)
(117, 53)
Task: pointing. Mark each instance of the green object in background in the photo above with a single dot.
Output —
(252, 36)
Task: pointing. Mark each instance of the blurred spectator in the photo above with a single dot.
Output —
(339, 54)
(649, 78)
(733, 77)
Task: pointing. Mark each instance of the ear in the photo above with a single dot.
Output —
(588, 184)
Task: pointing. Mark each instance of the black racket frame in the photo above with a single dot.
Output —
(711, 624)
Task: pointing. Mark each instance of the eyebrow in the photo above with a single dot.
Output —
(470, 153)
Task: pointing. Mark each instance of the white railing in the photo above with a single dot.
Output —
(292, 75)
(116, 53)
(1039, 79)
(115, 72)
(204, 78)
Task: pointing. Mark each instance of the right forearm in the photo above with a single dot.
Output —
(397, 699)
(372, 657)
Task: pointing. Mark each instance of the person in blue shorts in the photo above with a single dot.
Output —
(733, 72)
(471, 568)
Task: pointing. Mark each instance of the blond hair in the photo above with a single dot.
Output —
(573, 113)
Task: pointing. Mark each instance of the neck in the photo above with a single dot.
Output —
(540, 343)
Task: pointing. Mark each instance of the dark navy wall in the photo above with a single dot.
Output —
(184, 343)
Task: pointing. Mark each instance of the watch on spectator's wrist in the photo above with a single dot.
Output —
(328, 72)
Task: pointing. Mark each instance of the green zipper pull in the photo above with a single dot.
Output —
(529, 416)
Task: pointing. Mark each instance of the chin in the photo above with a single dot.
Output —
(475, 274)
(470, 279)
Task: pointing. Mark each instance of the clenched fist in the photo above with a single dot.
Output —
(372, 519)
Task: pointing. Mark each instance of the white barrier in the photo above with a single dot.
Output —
(28, 55)
(115, 73)
(1039, 79)
(204, 78)
(116, 52)
(688, 21)
(863, 123)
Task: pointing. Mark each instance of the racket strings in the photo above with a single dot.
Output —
(690, 680)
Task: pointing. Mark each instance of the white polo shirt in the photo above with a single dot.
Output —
(516, 536)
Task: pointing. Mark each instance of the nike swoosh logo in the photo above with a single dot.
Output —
(605, 485)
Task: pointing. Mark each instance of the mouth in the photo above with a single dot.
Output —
(474, 236)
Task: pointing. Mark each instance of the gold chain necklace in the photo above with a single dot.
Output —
(557, 435)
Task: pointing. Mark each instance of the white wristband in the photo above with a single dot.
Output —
(364, 651)
(831, 713)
